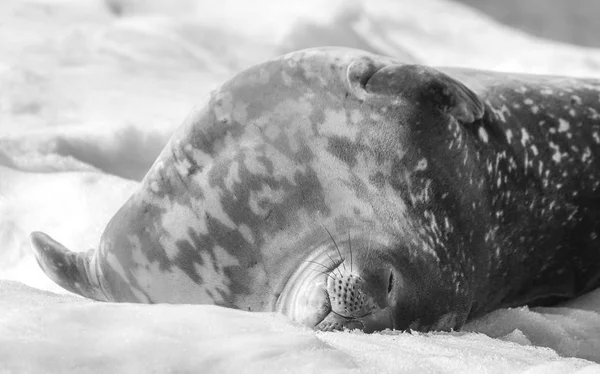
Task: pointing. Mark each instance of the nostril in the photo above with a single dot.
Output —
(391, 282)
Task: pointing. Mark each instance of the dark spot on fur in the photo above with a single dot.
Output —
(377, 179)
(344, 149)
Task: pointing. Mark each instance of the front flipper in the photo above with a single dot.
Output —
(70, 270)
(430, 87)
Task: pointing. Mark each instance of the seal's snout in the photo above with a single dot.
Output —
(353, 305)
(348, 297)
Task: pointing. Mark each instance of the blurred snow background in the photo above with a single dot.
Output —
(90, 91)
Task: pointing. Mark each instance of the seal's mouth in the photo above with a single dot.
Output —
(376, 320)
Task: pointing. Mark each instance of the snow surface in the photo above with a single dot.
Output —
(90, 92)
(44, 332)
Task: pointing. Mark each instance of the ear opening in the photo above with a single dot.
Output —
(428, 86)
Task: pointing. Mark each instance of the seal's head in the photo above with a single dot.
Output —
(360, 288)
(322, 184)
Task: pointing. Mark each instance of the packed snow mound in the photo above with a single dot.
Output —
(44, 332)
(126, 151)
(92, 90)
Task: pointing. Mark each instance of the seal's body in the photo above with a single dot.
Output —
(539, 142)
(348, 190)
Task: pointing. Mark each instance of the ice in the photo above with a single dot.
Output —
(91, 91)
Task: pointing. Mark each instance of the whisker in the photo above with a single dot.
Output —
(317, 270)
(336, 247)
(328, 275)
(327, 270)
(333, 265)
(318, 263)
(350, 249)
(324, 272)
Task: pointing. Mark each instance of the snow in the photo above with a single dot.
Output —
(91, 91)
(44, 332)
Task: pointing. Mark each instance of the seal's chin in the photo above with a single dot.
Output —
(376, 320)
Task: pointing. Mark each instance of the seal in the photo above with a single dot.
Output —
(350, 190)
